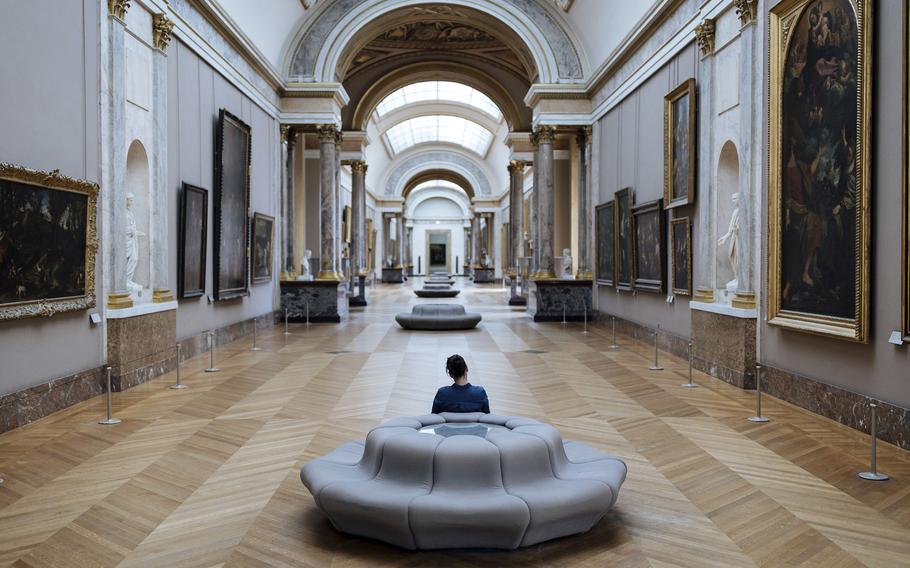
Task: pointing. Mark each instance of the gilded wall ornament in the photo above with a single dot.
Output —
(118, 8)
(704, 35)
(162, 26)
(746, 11)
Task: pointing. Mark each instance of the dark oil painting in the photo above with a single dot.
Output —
(623, 239)
(648, 239)
(193, 241)
(232, 203)
(680, 165)
(263, 229)
(818, 162)
(604, 220)
(43, 235)
(681, 246)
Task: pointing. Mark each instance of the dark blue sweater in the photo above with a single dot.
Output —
(461, 398)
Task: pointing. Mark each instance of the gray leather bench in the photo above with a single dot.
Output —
(438, 317)
(464, 481)
(446, 292)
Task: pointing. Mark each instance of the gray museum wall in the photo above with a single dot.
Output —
(879, 369)
(196, 92)
(630, 154)
(49, 109)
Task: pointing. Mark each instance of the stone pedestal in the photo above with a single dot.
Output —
(325, 301)
(484, 275)
(548, 298)
(515, 297)
(360, 300)
(141, 343)
(724, 342)
(392, 275)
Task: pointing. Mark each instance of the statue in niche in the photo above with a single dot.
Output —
(305, 272)
(731, 239)
(389, 262)
(566, 264)
(132, 246)
(485, 260)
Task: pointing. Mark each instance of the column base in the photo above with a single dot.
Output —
(518, 301)
(119, 300)
(705, 295)
(161, 295)
(318, 301)
(551, 300)
(360, 300)
(392, 275)
(744, 300)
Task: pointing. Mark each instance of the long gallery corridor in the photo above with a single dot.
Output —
(209, 476)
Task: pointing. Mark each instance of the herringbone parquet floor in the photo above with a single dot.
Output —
(208, 476)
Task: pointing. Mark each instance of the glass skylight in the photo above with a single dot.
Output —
(439, 91)
(441, 183)
(439, 128)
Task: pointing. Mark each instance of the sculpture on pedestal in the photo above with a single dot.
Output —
(566, 265)
(731, 238)
(486, 262)
(305, 272)
(132, 245)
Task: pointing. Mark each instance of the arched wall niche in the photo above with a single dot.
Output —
(137, 183)
(440, 174)
(416, 198)
(727, 184)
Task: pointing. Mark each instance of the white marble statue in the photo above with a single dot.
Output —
(566, 264)
(485, 260)
(305, 272)
(132, 245)
(731, 239)
(389, 262)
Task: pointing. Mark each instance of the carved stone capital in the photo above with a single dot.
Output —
(327, 133)
(543, 133)
(516, 167)
(284, 131)
(162, 26)
(746, 10)
(704, 35)
(339, 138)
(118, 8)
(359, 166)
(584, 135)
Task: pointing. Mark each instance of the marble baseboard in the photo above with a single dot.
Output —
(25, 406)
(553, 300)
(671, 343)
(316, 302)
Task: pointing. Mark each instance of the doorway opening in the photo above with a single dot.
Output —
(438, 247)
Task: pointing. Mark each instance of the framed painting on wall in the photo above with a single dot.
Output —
(680, 145)
(193, 237)
(681, 255)
(648, 234)
(48, 243)
(622, 239)
(232, 207)
(604, 221)
(819, 167)
(262, 248)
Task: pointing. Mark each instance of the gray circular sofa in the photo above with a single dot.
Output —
(464, 481)
(438, 317)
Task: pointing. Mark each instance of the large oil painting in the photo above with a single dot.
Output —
(263, 247)
(48, 242)
(623, 238)
(232, 206)
(819, 213)
(679, 145)
(648, 264)
(191, 265)
(681, 255)
(604, 219)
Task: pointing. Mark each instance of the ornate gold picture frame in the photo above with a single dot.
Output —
(48, 243)
(819, 167)
(680, 145)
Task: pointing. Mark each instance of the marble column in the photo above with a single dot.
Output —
(475, 240)
(162, 27)
(402, 259)
(328, 204)
(408, 253)
(546, 136)
(533, 230)
(584, 209)
(114, 71)
(289, 256)
(466, 260)
(358, 230)
(339, 207)
(516, 201)
(704, 233)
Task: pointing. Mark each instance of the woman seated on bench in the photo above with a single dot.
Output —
(462, 396)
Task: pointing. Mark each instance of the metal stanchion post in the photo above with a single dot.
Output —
(613, 345)
(690, 384)
(585, 330)
(110, 420)
(758, 417)
(563, 313)
(286, 330)
(873, 474)
(308, 314)
(212, 368)
(656, 366)
(255, 347)
(178, 385)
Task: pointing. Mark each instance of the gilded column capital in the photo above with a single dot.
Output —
(162, 27)
(118, 8)
(746, 10)
(327, 133)
(359, 166)
(284, 131)
(516, 167)
(339, 137)
(543, 133)
(704, 35)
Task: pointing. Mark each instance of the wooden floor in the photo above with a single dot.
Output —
(208, 476)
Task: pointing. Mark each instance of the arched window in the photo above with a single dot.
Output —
(446, 91)
(439, 128)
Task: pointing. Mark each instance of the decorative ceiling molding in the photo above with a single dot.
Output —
(408, 168)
